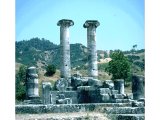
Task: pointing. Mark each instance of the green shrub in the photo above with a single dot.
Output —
(50, 70)
(20, 83)
(119, 66)
(102, 66)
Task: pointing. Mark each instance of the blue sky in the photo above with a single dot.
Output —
(121, 21)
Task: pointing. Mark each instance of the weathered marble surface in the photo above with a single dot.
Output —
(65, 47)
(138, 86)
(91, 26)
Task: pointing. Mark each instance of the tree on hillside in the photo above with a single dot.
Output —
(20, 83)
(119, 66)
(37, 43)
(135, 46)
(50, 70)
(133, 50)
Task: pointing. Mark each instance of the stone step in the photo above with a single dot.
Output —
(114, 92)
(118, 96)
(61, 96)
(63, 108)
(32, 101)
(138, 104)
(64, 101)
(105, 98)
(104, 91)
(124, 110)
(84, 88)
(127, 117)
(69, 88)
(120, 101)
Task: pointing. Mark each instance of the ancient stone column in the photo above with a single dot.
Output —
(119, 85)
(65, 47)
(91, 26)
(32, 90)
(46, 96)
(138, 87)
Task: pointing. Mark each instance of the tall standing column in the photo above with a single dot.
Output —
(91, 26)
(65, 47)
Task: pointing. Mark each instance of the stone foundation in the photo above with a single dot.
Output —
(62, 108)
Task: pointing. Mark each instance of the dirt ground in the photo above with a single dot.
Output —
(62, 116)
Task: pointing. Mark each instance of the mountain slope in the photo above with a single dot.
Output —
(41, 52)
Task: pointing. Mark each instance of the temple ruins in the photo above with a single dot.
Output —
(75, 93)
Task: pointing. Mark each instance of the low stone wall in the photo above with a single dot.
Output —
(124, 110)
(36, 109)
(130, 117)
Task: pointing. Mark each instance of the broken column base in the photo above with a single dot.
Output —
(64, 101)
(33, 100)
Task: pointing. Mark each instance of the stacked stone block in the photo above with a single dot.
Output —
(61, 99)
(32, 87)
(105, 94)
(46, 88)
(66, 97)
(119, 85)
(32, 91)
